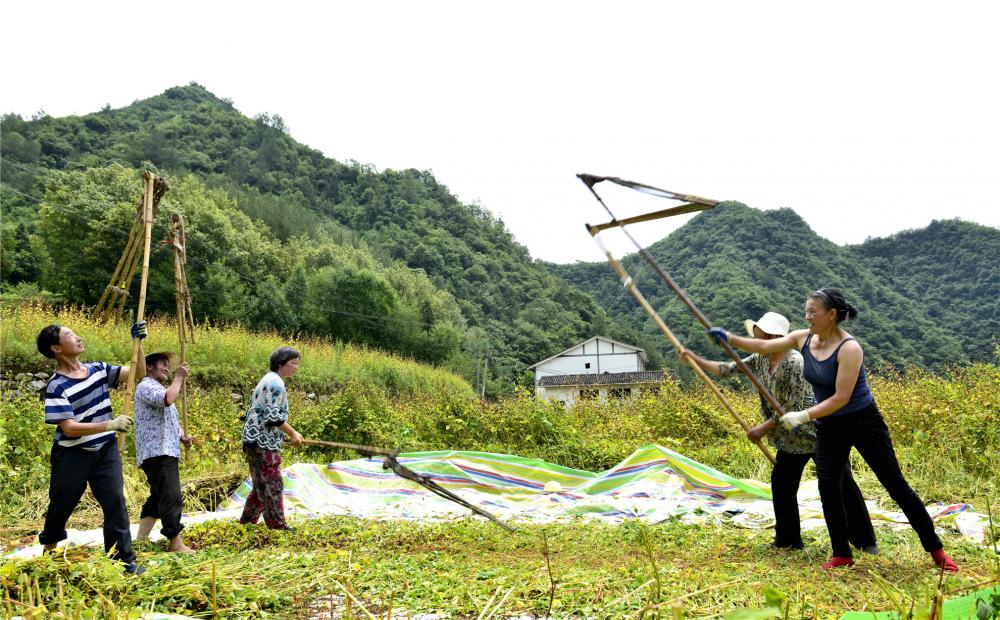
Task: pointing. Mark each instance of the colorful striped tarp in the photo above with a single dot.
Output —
(653, 484)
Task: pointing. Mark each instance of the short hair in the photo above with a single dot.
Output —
(281, 356)
(47, 338)
(153, 358)
(833, 299)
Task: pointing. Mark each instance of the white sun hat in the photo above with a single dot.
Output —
(771, 323)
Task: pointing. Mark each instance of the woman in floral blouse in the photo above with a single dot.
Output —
(781, 374)
(264, 428)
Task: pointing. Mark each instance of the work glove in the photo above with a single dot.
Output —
(794, 419)
(139, 330)
(120, 424)
(718, 334)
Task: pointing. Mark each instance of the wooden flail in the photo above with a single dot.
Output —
(185, 316)
(694, 203)
(111, 305)
(140, 314)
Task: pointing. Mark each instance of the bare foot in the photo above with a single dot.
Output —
(145, 527)
(177, 546)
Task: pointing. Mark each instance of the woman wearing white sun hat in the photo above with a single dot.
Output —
(847, 417)
(781, 373)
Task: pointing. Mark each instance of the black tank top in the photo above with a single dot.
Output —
(822, 376)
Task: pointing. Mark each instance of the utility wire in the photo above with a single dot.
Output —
(7, 162)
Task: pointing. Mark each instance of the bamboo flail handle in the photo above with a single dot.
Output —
(175, 233)
(141, 311)
(180, 245)
(363, 450)
(634, 290)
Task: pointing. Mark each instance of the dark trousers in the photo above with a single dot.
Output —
(866, 431)
(785, 478)
(164, 502)
(72, 470)
(266, 496)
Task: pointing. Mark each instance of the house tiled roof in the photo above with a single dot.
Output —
(606, 378)
(639, 350)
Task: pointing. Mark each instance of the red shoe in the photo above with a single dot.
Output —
(944, 561)
(837, 561)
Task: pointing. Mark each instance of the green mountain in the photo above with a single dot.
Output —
(283, 237)
(951, 270)
(927, 298)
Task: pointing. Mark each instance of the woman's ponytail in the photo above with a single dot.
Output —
(833, 299)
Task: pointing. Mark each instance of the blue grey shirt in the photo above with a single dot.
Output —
(268, 410)
(157, 429)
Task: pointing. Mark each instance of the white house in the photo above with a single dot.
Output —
(596, 368)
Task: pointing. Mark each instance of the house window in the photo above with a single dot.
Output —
(587, 365)
(619, 392)
(588, 393)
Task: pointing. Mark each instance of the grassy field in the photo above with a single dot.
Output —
(945, 429)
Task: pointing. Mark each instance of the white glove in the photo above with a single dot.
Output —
(795, 419)
(121, 424)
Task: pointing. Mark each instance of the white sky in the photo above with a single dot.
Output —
(866, 118)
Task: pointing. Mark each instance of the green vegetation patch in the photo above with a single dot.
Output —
(597, 570)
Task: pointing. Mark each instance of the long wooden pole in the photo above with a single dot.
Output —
(184, 282)
(147, 220)
(365, 450)
(175, 235)
(632, 288)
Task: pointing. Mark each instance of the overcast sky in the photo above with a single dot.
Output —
(865, 118)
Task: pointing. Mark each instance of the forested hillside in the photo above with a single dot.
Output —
(951, 270)
(927, 298)
(283, 237)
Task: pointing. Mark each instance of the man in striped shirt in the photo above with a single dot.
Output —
(78, 403)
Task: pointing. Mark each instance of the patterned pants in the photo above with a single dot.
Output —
(265, 472)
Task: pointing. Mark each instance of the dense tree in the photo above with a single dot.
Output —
(394, 217)
(237, 270)
(267, 215)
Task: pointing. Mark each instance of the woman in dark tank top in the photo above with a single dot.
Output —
(846, 417)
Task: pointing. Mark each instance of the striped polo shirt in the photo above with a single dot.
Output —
(83, 400)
